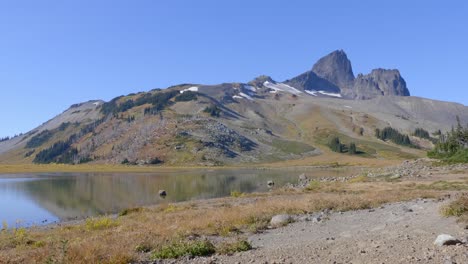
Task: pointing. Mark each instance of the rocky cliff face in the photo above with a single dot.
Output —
(335, 68)
(334, 73)
(310, 81)
(379, 82)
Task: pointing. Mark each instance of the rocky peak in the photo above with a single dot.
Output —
(379, 82)
(260, 80)
(335, 68)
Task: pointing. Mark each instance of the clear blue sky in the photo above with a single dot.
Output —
(57, 53)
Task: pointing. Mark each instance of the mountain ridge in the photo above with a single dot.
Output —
(260, 121)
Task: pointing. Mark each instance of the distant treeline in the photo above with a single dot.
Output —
(158, 101)
(389, 133)
(4, 139)
(63, 151)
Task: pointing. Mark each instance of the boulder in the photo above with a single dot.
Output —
(280, 220)
(162, 193)
(446, 240)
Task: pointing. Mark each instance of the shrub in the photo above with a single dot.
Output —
(184, 248)
(231, 248)
(457, 208)
(100, 223)
(236, 194)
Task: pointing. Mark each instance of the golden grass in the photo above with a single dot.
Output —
(121, 240)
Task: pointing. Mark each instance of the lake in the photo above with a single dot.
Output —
(43, 198)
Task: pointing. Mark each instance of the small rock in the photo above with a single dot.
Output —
(162, 193)
(280, 220)
(446, 240)
(316, 219)
(270, 183)
(302, 177)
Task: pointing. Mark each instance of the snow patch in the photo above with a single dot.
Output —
(96, 103)
(237, 97)
(314, 93)
(330, 94)
(246, 96)
(281, 87)
(250, 88)
(347, 106)
(192, 89)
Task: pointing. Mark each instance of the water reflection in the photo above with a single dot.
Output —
(43, 198)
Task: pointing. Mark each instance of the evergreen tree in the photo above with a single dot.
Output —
(352, 148)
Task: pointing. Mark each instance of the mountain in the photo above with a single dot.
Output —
(335, 68)
(261, 121)
(334, 74)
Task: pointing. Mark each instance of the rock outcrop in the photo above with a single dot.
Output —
(334, 73)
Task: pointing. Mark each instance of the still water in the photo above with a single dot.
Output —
(42, 198)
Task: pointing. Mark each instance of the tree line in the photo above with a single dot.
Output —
(453, 145)
(389, 133)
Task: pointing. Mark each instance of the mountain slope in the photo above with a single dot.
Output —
(262, 121)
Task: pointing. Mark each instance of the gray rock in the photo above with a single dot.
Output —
(270, 183)
(302, 177)
(446, 240)
(280, 220)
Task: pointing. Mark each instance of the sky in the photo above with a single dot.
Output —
(57, 53)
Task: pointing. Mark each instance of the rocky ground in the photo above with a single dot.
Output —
(402, 232)
(395, 233)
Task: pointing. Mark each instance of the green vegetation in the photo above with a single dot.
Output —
(421, 133)
(457, 208)
(335, 145)
(231, 248)
(100, 223)
(59, 152)
(352, 148)
(158, 100)
(186, 96)
(213, 110)
(236, 194)
(39, 139)
(453, 146)
(393, 135)
(184, 248)
(293, 147)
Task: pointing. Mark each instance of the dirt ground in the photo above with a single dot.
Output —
(394, 233)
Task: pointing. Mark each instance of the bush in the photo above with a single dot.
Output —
(100, 223)
(456, 208)
(183, 248)
(231, 248)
